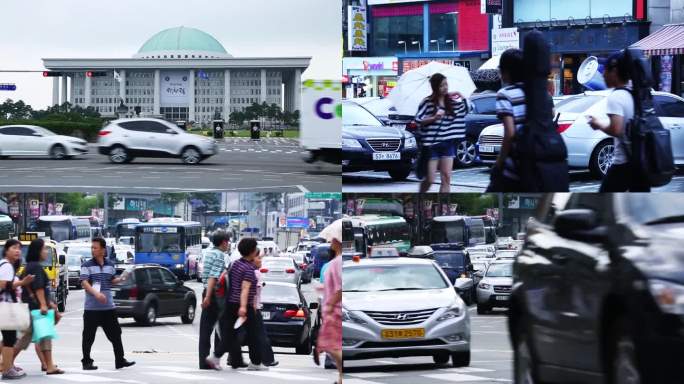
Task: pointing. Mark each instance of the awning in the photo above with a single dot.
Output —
(669, 40)
(492, 63)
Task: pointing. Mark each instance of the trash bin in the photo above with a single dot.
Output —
(255, 129)
(218, 129)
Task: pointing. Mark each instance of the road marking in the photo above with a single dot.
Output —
(81, 378)
(467, 370)
(456, 377)
(386, 362)
(185, 376)
(302, 188)
(282, 376)
(371, 375)
(189, 336)
(359, 381)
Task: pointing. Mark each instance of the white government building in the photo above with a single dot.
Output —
(179, 74)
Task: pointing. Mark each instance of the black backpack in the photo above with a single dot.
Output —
(649, 146)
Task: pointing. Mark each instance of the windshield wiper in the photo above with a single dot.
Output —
(404, 289)
(666, 220)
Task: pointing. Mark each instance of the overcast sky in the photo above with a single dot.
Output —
(36, 29)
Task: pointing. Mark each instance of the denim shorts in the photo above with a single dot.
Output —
(443, 149)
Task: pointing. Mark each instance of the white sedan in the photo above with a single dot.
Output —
(32, 140)
(588, 148)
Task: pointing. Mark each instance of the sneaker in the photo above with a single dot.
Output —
(260, 367)
(272, 363)
(214, 362)
(12, 374)
(18, 369)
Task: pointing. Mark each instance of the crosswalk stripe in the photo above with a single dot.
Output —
(455, 377)
(371, 375)
(185, 376)
(81, 378)
(467, 370)
(282, 376)
(359, 381)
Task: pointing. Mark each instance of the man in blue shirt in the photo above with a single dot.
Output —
(97, 277)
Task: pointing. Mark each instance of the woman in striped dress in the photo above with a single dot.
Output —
(441, 117)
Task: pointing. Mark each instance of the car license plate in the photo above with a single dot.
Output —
(266, 315)
(487, 148)
(411, 333)
(386, 156)
(502, 298)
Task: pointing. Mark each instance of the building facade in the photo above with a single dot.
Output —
(179, 74)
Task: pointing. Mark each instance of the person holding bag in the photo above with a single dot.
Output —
(37, 295)
(441, 117)
(11, 259)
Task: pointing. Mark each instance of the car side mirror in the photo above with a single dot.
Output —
(579, 224)
(62, 260)
(313, 305)
(36, 134)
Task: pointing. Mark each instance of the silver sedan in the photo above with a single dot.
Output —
(282, 269)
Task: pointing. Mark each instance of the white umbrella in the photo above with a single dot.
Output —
(332, 231)
(414, 85)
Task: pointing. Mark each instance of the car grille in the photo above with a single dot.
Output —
(502, 289)
(384, 145)
(490, 140)
(401, 318)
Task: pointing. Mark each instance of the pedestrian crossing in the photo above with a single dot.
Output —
(451, 375)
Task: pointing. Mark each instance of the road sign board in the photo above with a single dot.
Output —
(8, 87)
(323, 195)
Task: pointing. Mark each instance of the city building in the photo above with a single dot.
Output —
(180, 74)
(403, 35)
(295, 205)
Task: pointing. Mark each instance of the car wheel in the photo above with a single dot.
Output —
(441, 358)
(601, 159)
(624, 365)
(465, 153)
(305, 348)
(189, 316)
(191, 155)
(482, 309)
(399, 174)
(149, 317)
(460, 359)
(58, 152)
(119, 155)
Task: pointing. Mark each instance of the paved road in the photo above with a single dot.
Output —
(491, 360)
(474, 179)
(166, 352)
(241, 165)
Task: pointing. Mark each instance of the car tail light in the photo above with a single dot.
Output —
(133, 294)
(290, 270)
(562, 127)
(263, 270)
(412, 126)
(104, 133)
(290, 313)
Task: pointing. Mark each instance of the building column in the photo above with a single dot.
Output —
(122, 85)
(191, 91)
(87, 92)
(72, 93)
(263, 85)
(226, 95)
(297, 90)
(55, 90)
(64, 90)
(157, 92)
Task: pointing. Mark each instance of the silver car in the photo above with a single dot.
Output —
(494, 289)
(282, 269)
(397, 307)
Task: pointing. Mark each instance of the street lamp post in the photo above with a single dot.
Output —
(402, 42)
(435, 41)
(417, 42)
(453, 45)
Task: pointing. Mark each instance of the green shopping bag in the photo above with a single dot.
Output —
(43, 325)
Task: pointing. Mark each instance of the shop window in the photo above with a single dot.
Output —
(388, 30)
(443, 27)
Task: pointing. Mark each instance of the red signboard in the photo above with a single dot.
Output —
(473, 27)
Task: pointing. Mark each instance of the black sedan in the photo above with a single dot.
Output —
(369, 145)
(151, 291)
(287, 316)
(598, 291)
(482, 114)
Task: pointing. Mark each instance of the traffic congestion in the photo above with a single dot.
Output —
(161, 268)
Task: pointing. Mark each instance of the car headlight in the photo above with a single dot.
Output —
(351, 143)
(453, 311)
(350, 317)
(485, 286)
(179, 266)
(410, 142)
(668, 295)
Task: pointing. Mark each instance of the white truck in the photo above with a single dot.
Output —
(287, 238)
(321, 120)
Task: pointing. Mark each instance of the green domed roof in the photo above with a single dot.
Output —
(182, 39)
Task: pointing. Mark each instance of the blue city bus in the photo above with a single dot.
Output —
(174, 245)
(465, 230)
(125, 227)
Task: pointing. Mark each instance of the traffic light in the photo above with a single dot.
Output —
(96, 74)
(51, 74)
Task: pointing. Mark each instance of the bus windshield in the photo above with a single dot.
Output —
(125, 229)
(56, 230)
(159, 242)
(448, 232)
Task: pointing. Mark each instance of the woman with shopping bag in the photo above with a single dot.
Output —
(44, 314)
(15, 314)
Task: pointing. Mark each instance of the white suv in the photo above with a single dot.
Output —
(125, 139)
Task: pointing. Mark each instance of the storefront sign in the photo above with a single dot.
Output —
(378, 2)
(592, 39)
(297, 222)
(357, 29)
(409, 64)
(492, 6)
(503, 39)
(370, 65)
(136, 205)
(174, 88)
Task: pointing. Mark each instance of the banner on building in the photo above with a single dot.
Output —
(13, 209)
(503, 39)
(491, 6)
(297, 222)
(409, 64)
(666, 73)
(357, 29)
(136, 204)
(34, 208)
(174, 88)
(59, 208)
